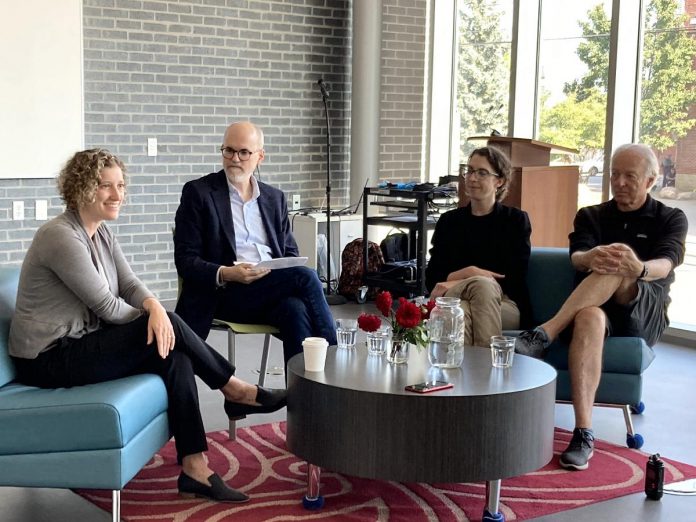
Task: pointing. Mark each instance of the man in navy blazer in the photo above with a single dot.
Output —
(226, 222)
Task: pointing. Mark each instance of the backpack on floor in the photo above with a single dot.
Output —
(394, 247)
(352, 268)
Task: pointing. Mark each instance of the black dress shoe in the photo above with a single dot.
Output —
(218, 490)
(269, 400)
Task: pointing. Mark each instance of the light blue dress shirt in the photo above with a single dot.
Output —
(251, 240)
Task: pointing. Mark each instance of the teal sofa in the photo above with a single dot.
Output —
(550, 281)
(90, 437)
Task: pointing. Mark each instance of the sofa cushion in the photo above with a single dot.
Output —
(9, 280)
(96, 416)
(7, 369)
(621, 355)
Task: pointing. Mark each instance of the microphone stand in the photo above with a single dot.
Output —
(331, 298)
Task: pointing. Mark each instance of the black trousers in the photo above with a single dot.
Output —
(291, 299)
(117, 351)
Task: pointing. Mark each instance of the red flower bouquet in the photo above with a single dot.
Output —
(407, 321)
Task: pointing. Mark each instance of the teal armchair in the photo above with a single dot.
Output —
(550, 281)
(89, 437)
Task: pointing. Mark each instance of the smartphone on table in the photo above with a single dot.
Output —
(427, 387)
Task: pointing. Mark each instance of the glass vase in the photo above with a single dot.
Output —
(446, 333)
(398, 352)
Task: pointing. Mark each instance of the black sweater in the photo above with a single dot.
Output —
(498, 242)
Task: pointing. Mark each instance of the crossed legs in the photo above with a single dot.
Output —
(291, 299)
(487, 311)
(584, 313)
(582, 310)
(117, 351)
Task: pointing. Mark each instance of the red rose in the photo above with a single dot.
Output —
(384, 301)
(428, 308)
(369, 322)
(408, 315)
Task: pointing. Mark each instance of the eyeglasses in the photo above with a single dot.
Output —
(243, 154)
(467, 172)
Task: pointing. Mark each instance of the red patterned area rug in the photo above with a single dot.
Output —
(259, 464)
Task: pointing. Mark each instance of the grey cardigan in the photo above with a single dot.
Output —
(61, 292)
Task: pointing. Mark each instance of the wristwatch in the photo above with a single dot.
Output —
(644, 273)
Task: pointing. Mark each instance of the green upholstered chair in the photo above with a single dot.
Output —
(550, 281)
(234, 329)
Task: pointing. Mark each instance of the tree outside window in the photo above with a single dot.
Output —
(667, 112)
(574, 68)
(483, 69)
(668, 124)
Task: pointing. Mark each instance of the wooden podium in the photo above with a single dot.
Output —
(549, 194)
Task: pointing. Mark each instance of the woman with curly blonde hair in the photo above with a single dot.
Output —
(82, 317)
(78, 181)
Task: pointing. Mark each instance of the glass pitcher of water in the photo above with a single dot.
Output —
(446, 333)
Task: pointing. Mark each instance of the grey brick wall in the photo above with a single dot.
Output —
(15, 236)
(180, 71)
(404, 53)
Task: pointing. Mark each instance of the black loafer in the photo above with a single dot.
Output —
(218, 490)
(269, 400)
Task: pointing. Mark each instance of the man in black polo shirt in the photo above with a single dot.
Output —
(625, 251)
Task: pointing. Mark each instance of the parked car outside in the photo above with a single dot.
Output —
(591, 167)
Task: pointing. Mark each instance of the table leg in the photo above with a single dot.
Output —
(491, 513)
(312, 499)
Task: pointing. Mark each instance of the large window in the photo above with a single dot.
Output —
(668, 124)
(577, 101)
(484, 32)
(573, 77)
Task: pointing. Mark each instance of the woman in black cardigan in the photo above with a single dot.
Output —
(480, 252)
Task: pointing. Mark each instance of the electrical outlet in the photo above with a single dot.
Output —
(18, 210)
(41, 212)
(296, 202)
(152, 146)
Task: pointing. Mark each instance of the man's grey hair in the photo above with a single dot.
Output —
(645, 152)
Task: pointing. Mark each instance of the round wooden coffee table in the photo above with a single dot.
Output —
(356, 418)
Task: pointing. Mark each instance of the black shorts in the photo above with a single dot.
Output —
(645, 316)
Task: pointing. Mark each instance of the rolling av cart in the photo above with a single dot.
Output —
(409, 210)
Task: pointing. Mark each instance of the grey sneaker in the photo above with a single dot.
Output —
(579, 451)
(534, 343)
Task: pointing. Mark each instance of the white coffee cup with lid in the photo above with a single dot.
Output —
(315, 353)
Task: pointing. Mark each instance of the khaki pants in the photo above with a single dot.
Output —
(487, 311)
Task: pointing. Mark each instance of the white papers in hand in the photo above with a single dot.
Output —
(280, 262)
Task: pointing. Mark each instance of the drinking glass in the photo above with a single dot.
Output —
(346, 333)
(379, 342)
(502, 351)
